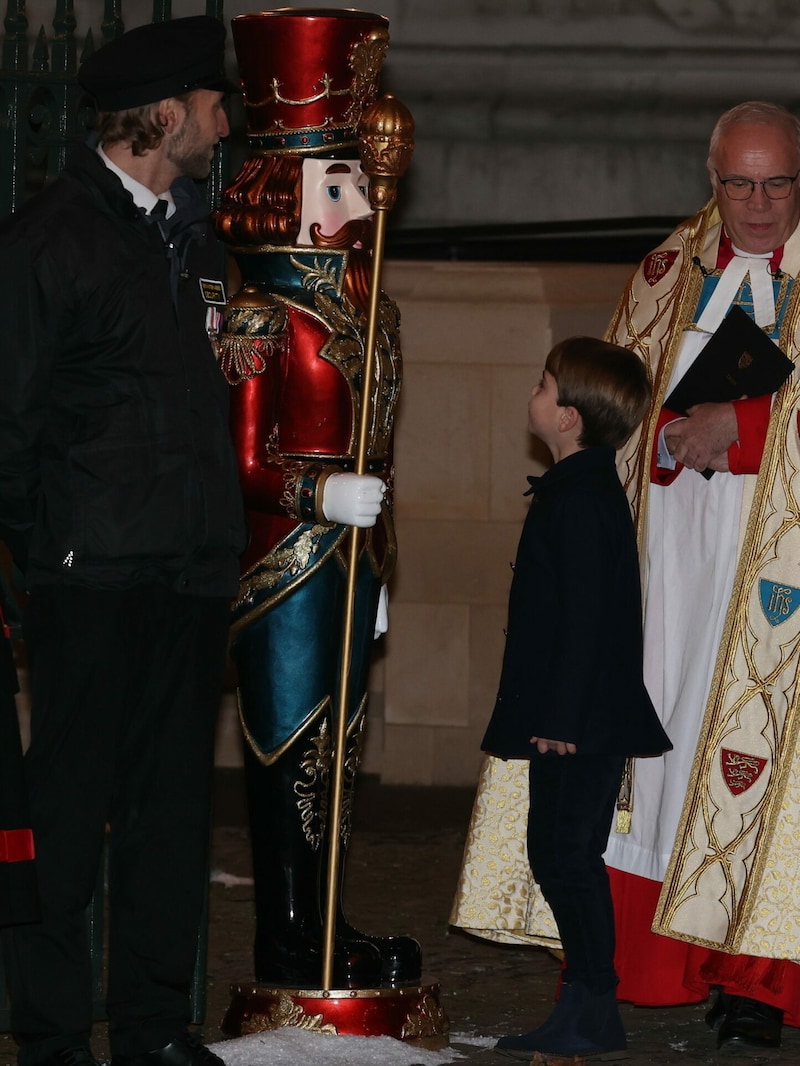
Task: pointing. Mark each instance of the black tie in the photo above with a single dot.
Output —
(159, 209)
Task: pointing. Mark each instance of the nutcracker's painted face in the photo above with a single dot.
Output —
(334, 203)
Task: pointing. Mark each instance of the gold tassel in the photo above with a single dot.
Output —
(625, 799)
(623, 821)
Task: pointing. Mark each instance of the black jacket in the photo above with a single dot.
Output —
(116, 465)
(572, 668)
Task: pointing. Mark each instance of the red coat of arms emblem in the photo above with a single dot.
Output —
(657, 265)
(739, 770)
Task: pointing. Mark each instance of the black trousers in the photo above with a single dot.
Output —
(18, 898)
(573, 800)
(125, 689)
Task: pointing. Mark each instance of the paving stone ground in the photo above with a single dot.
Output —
(402, 871)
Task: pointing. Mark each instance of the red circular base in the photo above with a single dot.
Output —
(409, 1012)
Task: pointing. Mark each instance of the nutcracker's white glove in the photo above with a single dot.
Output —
(382, 617)
(352, 499)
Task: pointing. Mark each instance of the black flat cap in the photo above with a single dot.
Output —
(155, 61)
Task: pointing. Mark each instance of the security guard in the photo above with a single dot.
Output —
(119, 500)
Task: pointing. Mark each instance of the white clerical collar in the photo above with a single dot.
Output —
(751, 255)
(757, 265)
(142, 196)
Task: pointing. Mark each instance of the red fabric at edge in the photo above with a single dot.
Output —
(16, 845)
(657, 971)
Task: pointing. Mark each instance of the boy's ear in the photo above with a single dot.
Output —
(569, 419)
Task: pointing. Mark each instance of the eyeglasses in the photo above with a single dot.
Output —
(777, 188)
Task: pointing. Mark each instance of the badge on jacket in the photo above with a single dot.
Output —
(213, 292)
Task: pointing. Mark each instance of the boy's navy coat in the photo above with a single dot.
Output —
(572, 668)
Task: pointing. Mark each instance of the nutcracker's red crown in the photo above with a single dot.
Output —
(307, 75)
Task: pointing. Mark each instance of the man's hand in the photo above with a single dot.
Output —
(720, 463)
(702, 439)
(562, 747)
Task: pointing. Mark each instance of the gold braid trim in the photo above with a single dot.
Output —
(650, 321)
(313, 791)
(730, 884)
(303, 484)
(733, 881)
(253, 333)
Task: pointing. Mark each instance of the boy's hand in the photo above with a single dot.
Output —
(561, 747)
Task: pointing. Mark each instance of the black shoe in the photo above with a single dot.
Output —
(716, 1015)
(584, 1025)
(71, 1056)
(750, 1023)
(523, 1047)
(185, 1050)
(401, 956)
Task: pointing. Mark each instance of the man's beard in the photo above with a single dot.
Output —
(192, 161)
(358, 276)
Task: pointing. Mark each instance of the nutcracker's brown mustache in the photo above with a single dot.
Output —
(358, 276)
(356, 231)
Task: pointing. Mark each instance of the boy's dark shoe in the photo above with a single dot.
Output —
(185, 1050)
(750, 1023)
(71, 1056)
(584, 1023)
(522, 1047)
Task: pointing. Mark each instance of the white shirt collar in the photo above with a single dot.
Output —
(142, 196)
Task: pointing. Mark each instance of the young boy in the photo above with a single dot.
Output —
(571, 696)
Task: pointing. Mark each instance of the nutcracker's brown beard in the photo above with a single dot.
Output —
(358, 276)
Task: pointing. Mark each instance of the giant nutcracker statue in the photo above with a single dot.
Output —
(294, 346)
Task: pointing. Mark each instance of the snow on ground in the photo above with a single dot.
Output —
(290, 1046)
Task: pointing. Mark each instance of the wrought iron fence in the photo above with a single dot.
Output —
(43, 110)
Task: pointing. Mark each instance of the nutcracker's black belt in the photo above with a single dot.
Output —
(344, 462)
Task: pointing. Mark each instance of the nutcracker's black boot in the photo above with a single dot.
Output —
(401, 956)
(284, 828)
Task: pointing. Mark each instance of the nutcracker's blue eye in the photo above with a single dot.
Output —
(335, 192)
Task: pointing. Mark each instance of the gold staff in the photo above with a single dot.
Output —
(386, 144)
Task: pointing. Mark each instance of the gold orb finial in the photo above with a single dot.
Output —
(386, 144)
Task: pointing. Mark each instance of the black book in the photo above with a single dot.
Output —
(739, 360)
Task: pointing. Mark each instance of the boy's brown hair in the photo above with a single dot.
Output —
(606, 384)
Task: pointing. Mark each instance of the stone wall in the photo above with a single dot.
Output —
(538, 110)
(474, 341)
(543, 110)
